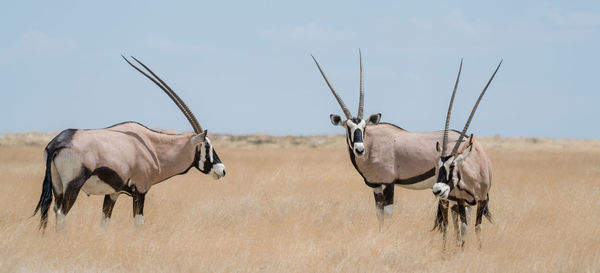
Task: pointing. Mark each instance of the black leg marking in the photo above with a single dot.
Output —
(138, 206)
(388, 195)
(480, 207)
(379, 199)
(441, 219)
(108, 205)
(443, 205)
(73, 187)
(138, 203)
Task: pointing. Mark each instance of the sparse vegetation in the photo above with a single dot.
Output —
(293, 204)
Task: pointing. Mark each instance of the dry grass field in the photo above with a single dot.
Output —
(297, 205)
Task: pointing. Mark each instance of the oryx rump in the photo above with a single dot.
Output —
(125, 158)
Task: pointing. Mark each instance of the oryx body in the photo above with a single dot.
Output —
(386, 155)
(396, 156)
(125, 158)
(464, 177)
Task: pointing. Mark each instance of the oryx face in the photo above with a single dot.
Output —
(207, 160)
(355, 131)
(447, 171)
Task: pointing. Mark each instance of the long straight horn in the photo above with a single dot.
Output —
(361, 102)
(445, 142)
(335, 94)
(464, 131)
(176, 99)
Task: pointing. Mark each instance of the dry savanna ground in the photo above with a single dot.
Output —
(297, 205)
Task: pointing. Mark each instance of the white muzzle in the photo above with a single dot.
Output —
(218, 171)
(359, 149)
(441, 190)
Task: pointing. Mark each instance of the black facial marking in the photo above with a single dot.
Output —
(442, 172)
(358, 136)
(442, 175)
(207, 164)
(216, 158)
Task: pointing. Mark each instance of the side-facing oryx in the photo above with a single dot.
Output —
(464, 177)
(125, 158)
(385, 154)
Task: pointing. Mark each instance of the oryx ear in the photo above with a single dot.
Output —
(199, 138)
(335, 119)
(374, 119)
(438, 148)
(466, 152)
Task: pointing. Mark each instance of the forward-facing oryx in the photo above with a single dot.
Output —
(464, 177)
(385, 154)
(125, 158)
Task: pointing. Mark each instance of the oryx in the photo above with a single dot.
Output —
(125, 158)
(385, 154)
(464, 177)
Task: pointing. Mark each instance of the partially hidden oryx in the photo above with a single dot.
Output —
(385, 154)
(125, 158)
(464, 177)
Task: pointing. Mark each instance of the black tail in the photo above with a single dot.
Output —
(439, 219)
(486, 209)
(46, 196)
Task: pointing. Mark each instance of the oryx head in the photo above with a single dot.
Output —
(449, 165)
(206, 159)
(355, 126)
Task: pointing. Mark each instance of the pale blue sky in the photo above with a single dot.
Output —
(244, 66)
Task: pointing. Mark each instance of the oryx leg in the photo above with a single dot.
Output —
(138, 207)
(69, 196)
(384, 202)
(462, 213)
(107, 207)
(455, 220)
(388, 202)
(481, 207)
(378, 194)
(442, 220)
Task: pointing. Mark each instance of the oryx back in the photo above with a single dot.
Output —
(394, 155)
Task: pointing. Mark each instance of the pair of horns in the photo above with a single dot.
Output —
(464, 131)
(176, 99)
(361, 101)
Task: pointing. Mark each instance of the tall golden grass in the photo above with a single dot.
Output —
(297, 206)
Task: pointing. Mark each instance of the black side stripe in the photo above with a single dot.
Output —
(109, 177)
(415, 179)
